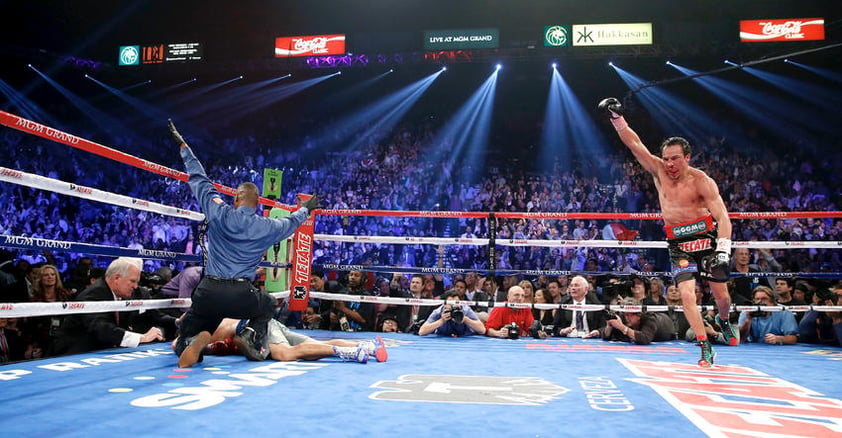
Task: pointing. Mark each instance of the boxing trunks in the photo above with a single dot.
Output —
(688, 244)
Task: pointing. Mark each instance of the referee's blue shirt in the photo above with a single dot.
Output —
(237, 238)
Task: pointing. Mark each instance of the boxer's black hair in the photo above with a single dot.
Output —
(681, 141)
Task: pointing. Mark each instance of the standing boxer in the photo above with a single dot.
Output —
(695, 220)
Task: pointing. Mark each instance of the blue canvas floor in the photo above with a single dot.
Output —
(468, 386)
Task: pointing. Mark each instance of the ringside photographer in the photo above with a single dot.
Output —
(642, 328)
(452, 320)
(508, 322)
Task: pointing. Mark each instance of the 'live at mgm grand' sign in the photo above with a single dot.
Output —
(460, 39)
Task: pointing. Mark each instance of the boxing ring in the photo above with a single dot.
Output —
(490, 387)
(477, 385)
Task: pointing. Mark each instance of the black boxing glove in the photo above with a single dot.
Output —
(718, 264)
(611, 108)
(175, 135)
(311, 204)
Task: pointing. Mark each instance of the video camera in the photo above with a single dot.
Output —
(619, 288)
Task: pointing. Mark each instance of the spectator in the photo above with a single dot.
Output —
(742, 264)
(774, 328)
(12, 346)
(819, 327)
(389, 324)
(679, 321)
(579, 323)
(184, 283)
(554, 288)
(656, 291)
(419, 313)
(399, 288)
(359, 316)
(640, 290)
(84, 332)
(319, 283)
(47, 288)
(544, 316)
(528, 290)
(783, 289)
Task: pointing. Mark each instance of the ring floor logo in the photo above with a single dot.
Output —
(526, 391)
(740, 401)
(129, 55)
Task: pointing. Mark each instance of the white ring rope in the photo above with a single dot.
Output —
(17, 310)
(79, 191)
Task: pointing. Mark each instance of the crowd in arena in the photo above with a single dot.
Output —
(389, 172)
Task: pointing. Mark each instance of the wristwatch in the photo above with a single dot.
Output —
(626, 330)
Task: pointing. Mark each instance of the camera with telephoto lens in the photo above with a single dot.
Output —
(456, 313)
(758, 313)
(514, 330)
(538, 327)
(610, 314)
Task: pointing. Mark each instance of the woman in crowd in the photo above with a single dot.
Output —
(47, 288)
(546, 316)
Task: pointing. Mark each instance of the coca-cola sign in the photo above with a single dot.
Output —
(789, 29)
(313, 45)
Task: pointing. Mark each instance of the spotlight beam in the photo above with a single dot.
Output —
(785, 118)
(724, 69)
(251, 103)
(150, 111)
(568, 131)
(467, 132)
(26, 107)
(379, 116)
(677, 115)
(100, 118)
